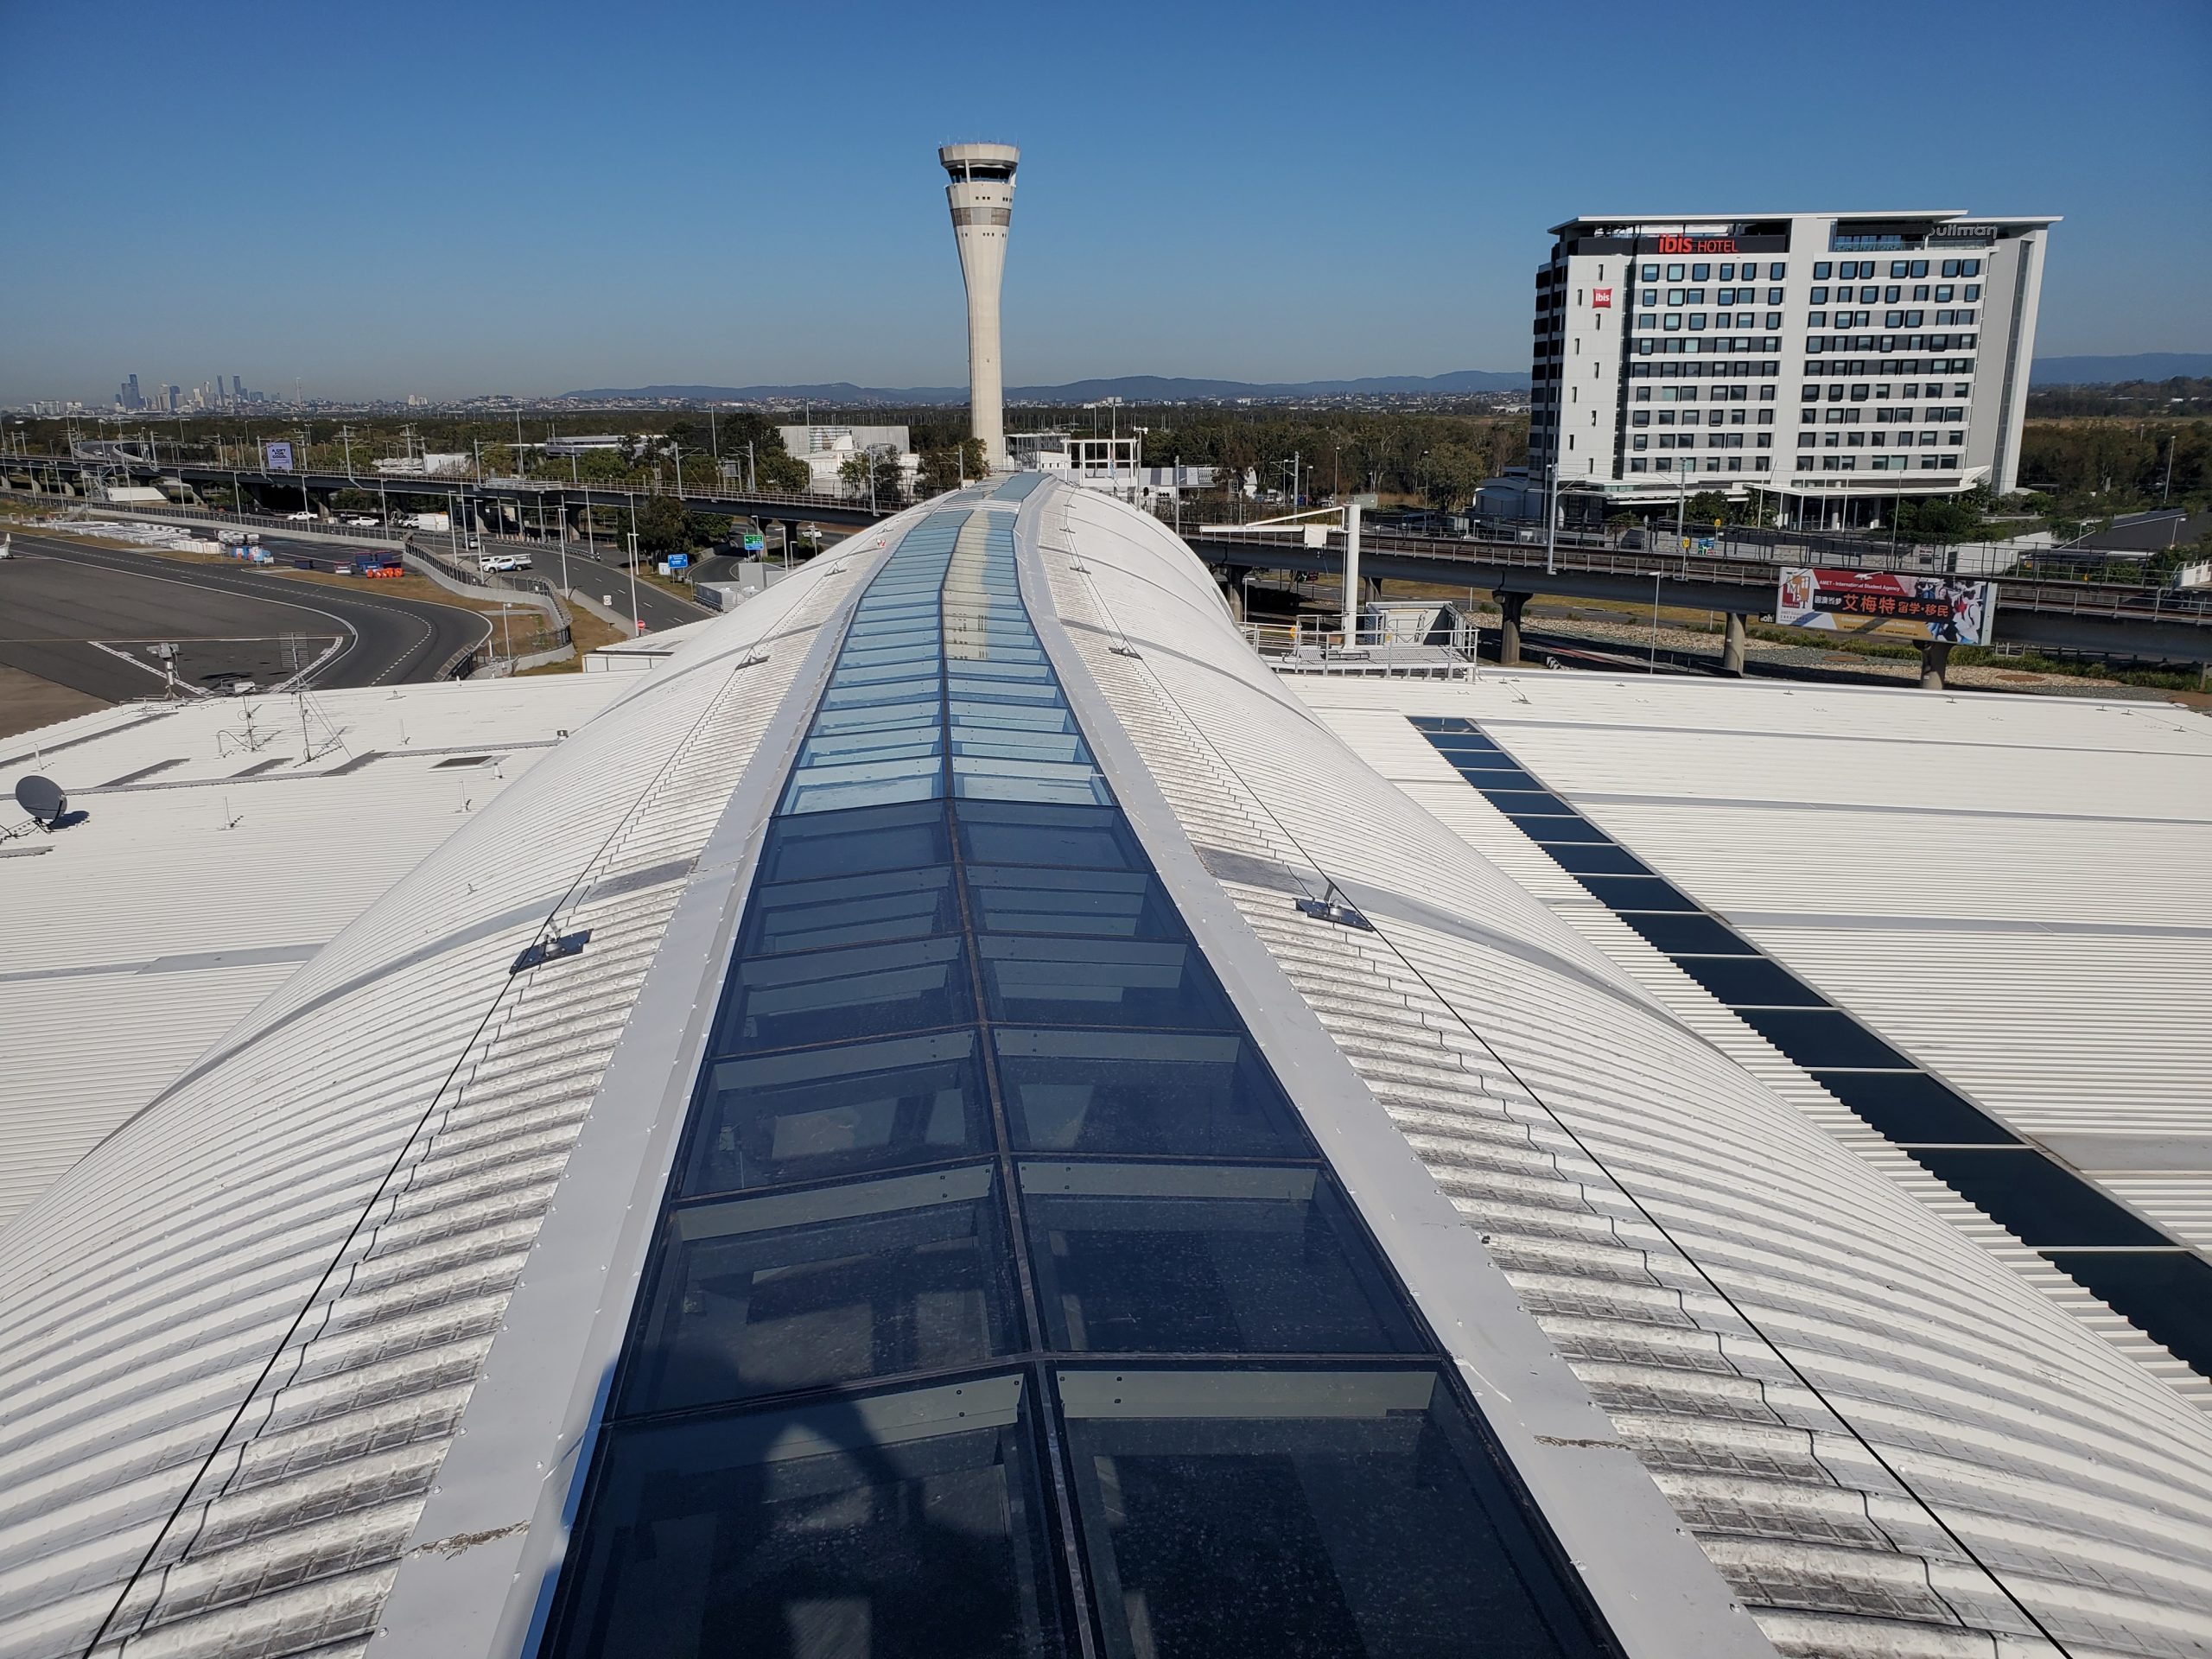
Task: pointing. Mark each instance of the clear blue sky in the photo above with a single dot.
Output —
(535, 197)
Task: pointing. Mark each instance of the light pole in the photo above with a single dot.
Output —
(1551, 521)
(1654, 667)
(637, 626)
(564, 543)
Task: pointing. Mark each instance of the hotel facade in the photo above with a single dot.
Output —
(1835, 360)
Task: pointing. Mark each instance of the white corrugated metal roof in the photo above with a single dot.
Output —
(241, 1332)
(2013, 891)
(145, 932)
(1889, 1437)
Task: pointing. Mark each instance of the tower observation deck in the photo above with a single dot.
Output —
(981, 194)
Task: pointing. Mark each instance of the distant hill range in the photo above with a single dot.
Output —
(1132, 389)
(2104, 370)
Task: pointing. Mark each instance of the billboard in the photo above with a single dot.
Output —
(277, 457)
(1928, 607)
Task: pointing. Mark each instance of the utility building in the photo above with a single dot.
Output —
(981, 194)
(1836, 359)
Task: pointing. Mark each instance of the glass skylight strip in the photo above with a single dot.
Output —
(997, 1259)
(2039, 1200)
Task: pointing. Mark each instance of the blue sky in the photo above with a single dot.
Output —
(531, 198)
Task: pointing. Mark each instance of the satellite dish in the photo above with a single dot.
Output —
(42, 799)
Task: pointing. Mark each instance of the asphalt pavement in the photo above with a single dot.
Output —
(83, 617)
(602, 578)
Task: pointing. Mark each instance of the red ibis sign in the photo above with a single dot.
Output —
(1697, 245)
(1602, 298)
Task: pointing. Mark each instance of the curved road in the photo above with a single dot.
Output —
(379, 639)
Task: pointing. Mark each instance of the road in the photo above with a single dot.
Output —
(602, 578)
(83, 616)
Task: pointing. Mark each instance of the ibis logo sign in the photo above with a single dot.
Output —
(1602, 298)
(1697, 245)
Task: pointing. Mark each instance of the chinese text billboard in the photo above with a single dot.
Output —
(1929, 608)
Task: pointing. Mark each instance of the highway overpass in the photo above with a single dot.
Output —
(2110, 622)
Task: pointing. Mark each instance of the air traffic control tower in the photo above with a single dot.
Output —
(982, 196)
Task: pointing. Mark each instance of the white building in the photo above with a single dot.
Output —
(873, 1131)
(1113, 464)
(1835, 360)
(825, 449)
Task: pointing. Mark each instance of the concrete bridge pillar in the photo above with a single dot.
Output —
(1934, 661)
(1508, 636)
(1732, 646)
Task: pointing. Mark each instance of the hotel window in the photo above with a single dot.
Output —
(1727, 273)
(1674, 295)
(1816, 319)
(1822, 270)
(1893, 320)
(1920, 290)
(1737, 417)
(1929, 440)
(1640, 441)
(1699, 273)
(1919, 268)
(1900, 267)
(1820, 296)
(1807, 440)
(1650, 274)
(1950, 268)
(1774, 319)
(1637, 465)
(1766, 440)
(1774, 296)
(1651, 296)
(1969, 267)
(1644, 394)
(1647, 320)
(1697, 320)
(1673, 273)
(1674, 323)
(1766, 415)
(1697, 297)
(1972, 291)
(1859, 393)
(1767, 394)
(1641, 417)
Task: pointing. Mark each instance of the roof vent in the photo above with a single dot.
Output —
(552, 949)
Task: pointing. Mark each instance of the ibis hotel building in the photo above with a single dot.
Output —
(1836, 359)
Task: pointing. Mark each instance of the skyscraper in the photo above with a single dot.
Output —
(981, 197)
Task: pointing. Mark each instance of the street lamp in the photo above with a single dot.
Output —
(637, 626)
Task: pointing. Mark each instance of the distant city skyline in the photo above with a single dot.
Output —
(1252, 193)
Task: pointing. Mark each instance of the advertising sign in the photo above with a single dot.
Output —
(1928, 607)
(1602, 298)
(277, 457)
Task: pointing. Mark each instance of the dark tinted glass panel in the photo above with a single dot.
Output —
(1087, 837)
(1749, 982)
(853, 844)
(1823, 1038)
(2168, 1294)
(1503, 776)
(1112, 1091)
(1235, 1515)
(1636, 892)
(833, 1284)
(1910, 1106)
(1700, 935)
(1594, 860)
(834, 995)
(901, 1525)
(1105, 904)
(1150, 982)
(1517, 802)
(824, 1112)
(850, 910)
(1552, 827)
(2043, 1203)
(1189, 1259)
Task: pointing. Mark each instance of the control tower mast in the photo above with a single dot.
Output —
(982, 197)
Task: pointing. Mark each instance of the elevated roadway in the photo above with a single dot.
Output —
(2101, 619)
